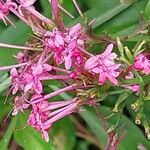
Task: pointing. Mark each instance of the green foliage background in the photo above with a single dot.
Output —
(113, 18)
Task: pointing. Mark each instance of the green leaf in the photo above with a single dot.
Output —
(28, 138)
(18, 35)
(103, 12)
(5, 84)
(147, 10)
(65, 131)
(4, 108)
(133, 137)
(82, 145)
(8, 134)
(95, 125)
(110, 14)
(122, 24)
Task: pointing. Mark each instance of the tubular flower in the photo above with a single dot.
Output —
(45, 113)
(104, 65)
(142, 63)
(5, 8)
(133, 87)
(25, 3)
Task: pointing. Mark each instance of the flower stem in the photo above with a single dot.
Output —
(54, 77)
(86, 52)
(13, 66)
(67, 110)
(68, 88)
(55, 105)
(60, 69)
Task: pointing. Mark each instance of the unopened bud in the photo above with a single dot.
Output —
(138, 122)
(137, 105)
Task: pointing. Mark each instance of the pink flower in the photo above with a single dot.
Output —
(19, 105)
(21, 57)
(133, 87)
(142, 63)
(5, 8)
(38, 117)
(25, 3)
(45, 113)
(55, 10)
(104, 65)
(32, 77)
(72, 55)
(15, 79)
(65, 44)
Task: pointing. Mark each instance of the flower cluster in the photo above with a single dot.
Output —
(62, 56)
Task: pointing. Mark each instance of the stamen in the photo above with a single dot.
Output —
(48, 57)
(60, 69)
(64, 10)
(78, 8)
(13, 66)
(8, 95)
(84, 51)
(18, 47)
(8, 114)
(10, 21)
(92, 22)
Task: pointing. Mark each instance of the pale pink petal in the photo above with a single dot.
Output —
(15, 112)
(102, 78)
(15, 89)
(28, 87)
(112, 79)
(45, 136)
(59, 40)
(68, 62)
(12, 4)
(38, 88)
(75, 30)
(96, 70)
(36, 70)
(14, 72)
(72, 45)
(28, 3)
(47, 67)
(108, 50)
(91, 63)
